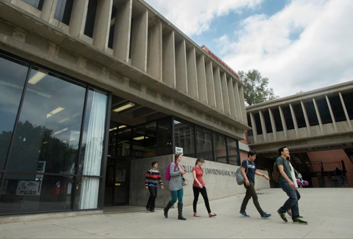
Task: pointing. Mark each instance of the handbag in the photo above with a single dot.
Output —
(184, 181)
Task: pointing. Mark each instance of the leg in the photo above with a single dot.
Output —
(253, 194)
(148, 206)
(246, 199)
(154, 198)
(170, 203)
(295, 208)
(196, 197)
(180, 204)
(205, 198)
(293, 199)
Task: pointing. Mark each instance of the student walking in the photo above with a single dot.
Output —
(176, 187)
(199, 187)
(153, 178)
(248, 169)
(286, 181)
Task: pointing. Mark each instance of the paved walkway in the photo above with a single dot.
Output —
(329, 212)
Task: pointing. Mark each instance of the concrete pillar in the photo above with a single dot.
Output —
(231, 95)
(102, 24)
(48, 10)
(331, 113)
(154, 56)
(169, 72)
(294, 120)
(284, 125)
(181, 67)
(210, 85)
(318, 116)
(307, 123)
(201, 79)
(225, 94)
(263, 126)
(78, 18)
(122, 31)
(254, 129)
(192, 73)
(218, 89)
(242, 103)
(273, 124)
(239, 111)
(345, 110)
(139, 41)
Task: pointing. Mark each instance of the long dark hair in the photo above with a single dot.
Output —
(199, 160)
(176, 158)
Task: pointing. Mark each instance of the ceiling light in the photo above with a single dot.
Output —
(36, 78)
(113, 129)
(124, 107)
(60, 131)
(57, 110)
(122, 126)
(140, 138)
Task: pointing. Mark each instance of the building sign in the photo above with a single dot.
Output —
(179, 150)
(212, 171)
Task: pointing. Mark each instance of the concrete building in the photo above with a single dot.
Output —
(91, 91)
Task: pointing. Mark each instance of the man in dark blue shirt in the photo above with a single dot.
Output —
(248, 169)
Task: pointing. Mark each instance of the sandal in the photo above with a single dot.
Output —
(196, 215)
(212, 214)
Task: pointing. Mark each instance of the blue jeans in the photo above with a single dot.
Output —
(177, 195)
(292, 202)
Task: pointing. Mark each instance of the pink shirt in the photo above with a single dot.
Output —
(199, 174)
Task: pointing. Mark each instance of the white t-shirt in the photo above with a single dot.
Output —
(293, 175)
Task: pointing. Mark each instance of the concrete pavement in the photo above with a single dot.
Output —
(328, 210)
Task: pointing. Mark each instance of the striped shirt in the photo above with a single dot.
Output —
(153, 178)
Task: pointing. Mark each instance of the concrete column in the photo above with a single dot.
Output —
(122, 31)
(155, 62)
(307, 123)
(273, 124)
(169, 72)
(139, 39)
(218, 89)
(225, 94)
(331, 113)
(102, 24)
(242, 103)
(345, 110)
(294, 120)
(231, 95)
(78, 18)
(318, 116)
(263, 126)
(254, 129)
(192, 73)
(48, 10)
(181, 67)
(284, 125)
(210, 85)
(201, 79)
(239, 111)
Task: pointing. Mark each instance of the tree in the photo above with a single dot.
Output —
(256, 88)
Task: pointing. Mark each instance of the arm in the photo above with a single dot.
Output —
(160, 180)
(148, 175)
(261, 174)
(247, 183)
(194, 175)
(172, 172)
(284, 175)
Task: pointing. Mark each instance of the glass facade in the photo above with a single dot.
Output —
(184, 137)
(52, 133)
(63, 11)
(35, 3)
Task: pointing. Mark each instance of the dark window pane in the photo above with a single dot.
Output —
(250, 132)
(112, 27)
(204, 145)
(124, 141)
(278, 121)
(49, 126)
(324, 111)
(165, 136)
(299, 115)
(288, 117)
(348, 101)
(144, 140)
(91, 16)
(12, 79)
(35, 3)
(35, 193)
(268, 122)
(220, 148)
(113, 138)
(258, 123)
(311, 112)
(232, 151)
(337, 108)
(63, 11)
(184, 137)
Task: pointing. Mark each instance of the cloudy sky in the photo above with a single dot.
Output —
(299, 45)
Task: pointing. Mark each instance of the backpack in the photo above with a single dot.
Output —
(167, 172)
(275, 173)
(239, 176)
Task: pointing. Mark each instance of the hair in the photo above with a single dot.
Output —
(251, 153)
(153, 163)
(176, 158)
(199, 160)
(280, 150)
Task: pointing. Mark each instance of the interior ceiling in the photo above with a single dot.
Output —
(133, 116)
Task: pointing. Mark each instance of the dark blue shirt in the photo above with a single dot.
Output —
(250, 168)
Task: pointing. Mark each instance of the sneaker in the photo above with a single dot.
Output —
(283, 216)
(300, 221)
(244, 214)
(147, 209)
(152, 211)
(265, 215)
(290, 214)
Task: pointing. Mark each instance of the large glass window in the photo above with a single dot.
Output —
(324, 111)
(164, 137)
(91, 17)
(144, 140)
(12, 79)
(277, 118)
(63, 11)
(337, 108)
(348, 101)
(204, 147)
(258, 123)
(124, 139)
(220, 148)
(112, 27)
(184, 137)
(311, 112)
(288, 117)
(299, 114)
(35, 3)
(267, 121)
(233, 151)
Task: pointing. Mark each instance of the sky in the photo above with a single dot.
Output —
(300, 45)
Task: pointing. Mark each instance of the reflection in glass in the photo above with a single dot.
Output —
(35, 3)
(12, 79)
(124, 139)
(164, 143)
(144, 140)
(220, 148)
(204, 145)
(232, 151)
(63, 11)
(184, 137)
(49, 126)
